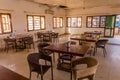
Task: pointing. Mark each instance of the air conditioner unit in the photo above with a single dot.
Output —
(49, 11)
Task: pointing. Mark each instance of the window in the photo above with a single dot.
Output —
(117, 24)
(35, 22)
(74, 22)
(96, 21)
(5, 23)
(58, 22)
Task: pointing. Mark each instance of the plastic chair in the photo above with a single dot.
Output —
(101, 44)
(35, 64)
(65, 59)
(45, 52)
(87, 72)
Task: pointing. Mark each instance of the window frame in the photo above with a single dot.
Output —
(33, 22)
(92, 21)
(1, 23)
(59, 23)
(76, 23)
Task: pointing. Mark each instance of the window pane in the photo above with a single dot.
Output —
(0, 28)
(74, 22)
(36, 22)
(79, 22)
(6, 23)
(55, 22)
(42, 22)
(102, 21)
(69, 22)
(58, 22)
(117, 24)
(30, 23)
(89, 21)
(61, 22)
(95, 22)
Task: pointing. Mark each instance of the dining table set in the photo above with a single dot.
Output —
(67, 48)
(18, 41)
(48, 36)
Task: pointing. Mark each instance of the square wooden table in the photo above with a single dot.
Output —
(75, 50)
(83, 38)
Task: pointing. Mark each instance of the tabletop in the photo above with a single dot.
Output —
(6, 74)
(90, 39)
(93, 32)
(77, 50)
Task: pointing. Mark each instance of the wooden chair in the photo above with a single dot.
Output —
(35, 64)
(87, 72)
(28, 41)
(47, 37)
(55, 37)
(40, 36)
(9, 43)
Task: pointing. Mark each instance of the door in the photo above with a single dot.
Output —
(109, 26)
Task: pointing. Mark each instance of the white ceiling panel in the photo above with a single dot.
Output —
(79, 3)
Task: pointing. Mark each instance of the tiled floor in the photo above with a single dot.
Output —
(109, 67)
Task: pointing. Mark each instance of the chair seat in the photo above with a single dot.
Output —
(66, 57)
(45, 68)
(101, 46)
(101, 43)
(36, 65)
(88, 70)
(43, 44)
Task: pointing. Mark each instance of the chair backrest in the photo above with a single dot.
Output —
(34, 57)
(9, 40)
(90, 61)
(55, 35)
(28, 40)
(41, 46)
(35, 65)
(101, 42)
(39, 35)
(92, 64)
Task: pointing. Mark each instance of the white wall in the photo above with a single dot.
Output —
(20, 8)
(104, 10)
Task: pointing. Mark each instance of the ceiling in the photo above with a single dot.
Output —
(71, 4)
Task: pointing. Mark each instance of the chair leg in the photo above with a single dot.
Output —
(91, 77)
(41, 77)
(53, 56)
(37, 75)
(34, 46)
(7, 48)
(71, 74)
(52, 72)
(95, 51)
(30, 75)
(104, 52)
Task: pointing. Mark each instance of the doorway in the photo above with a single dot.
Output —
(117, 27)
(109, 26)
